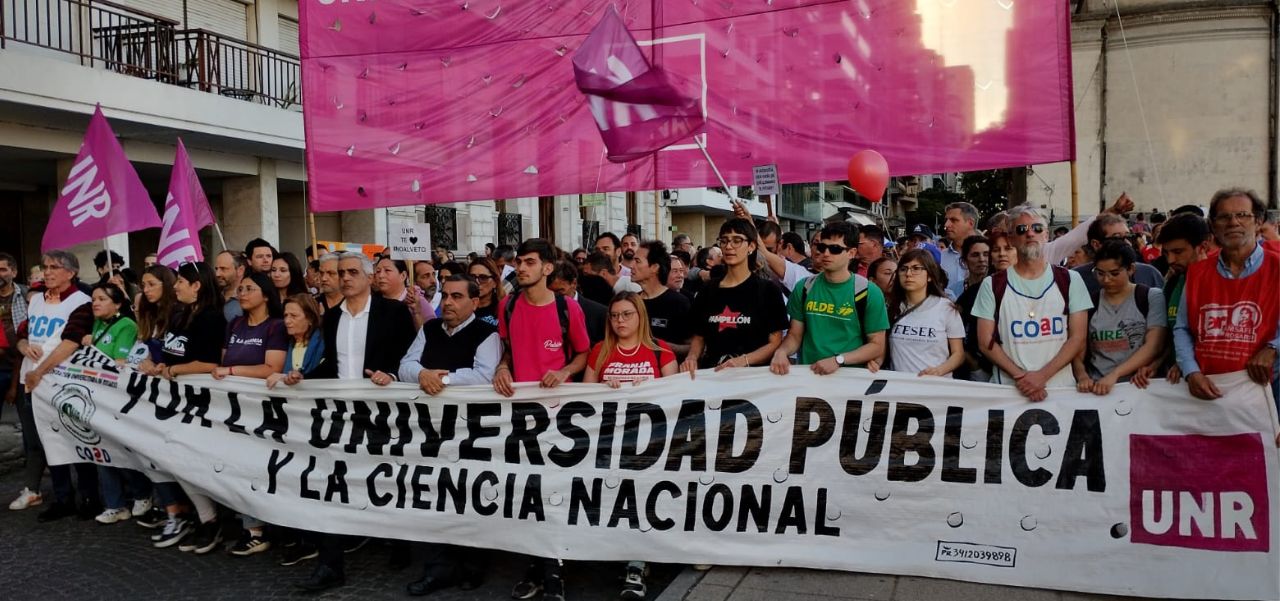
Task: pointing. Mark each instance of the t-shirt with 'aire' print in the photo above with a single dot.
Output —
(735, 321)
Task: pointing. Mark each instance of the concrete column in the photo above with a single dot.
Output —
(250, 207)
(365, 227)
(266, 14)
(568, 221)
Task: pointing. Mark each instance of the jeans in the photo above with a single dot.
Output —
(31, 447)
(169, 493)
(116, 482)
(86, 482)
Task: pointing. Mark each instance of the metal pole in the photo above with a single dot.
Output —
(1075, 197)
(714, 169)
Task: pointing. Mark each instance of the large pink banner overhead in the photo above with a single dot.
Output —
(426, 101)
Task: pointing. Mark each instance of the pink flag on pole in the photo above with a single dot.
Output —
(639, 108)
(186, 211)
(102, 196)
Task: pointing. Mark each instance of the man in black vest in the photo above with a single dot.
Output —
(365, 336)
(459, 350)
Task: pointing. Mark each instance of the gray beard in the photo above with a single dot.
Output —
(1032, 251)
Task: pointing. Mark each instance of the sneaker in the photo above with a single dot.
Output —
(553, 583)
(250, 544)
(56, 511)
(26, 499)
(112, 516)
(152, 518)
(175, 529)
(299, 553)
(206, 537)
(530, 585)
(141, 506)
(633, 588)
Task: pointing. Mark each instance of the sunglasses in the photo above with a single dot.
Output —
(834, 249)
(482, 277)
(1021, 230)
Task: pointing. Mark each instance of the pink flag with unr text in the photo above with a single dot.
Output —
(102, 196)
(639, 108)
(186, 211)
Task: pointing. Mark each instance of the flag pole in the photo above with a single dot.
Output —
(1075, 196)
(714, 169)
(218, 230)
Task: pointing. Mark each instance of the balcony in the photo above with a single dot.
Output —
(101, 34)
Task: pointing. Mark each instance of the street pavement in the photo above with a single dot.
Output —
(768, 584)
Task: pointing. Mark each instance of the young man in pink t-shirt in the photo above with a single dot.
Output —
(531, 325)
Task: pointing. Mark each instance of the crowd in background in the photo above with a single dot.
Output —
(997, 298)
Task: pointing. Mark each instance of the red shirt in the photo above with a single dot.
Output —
(633, 365)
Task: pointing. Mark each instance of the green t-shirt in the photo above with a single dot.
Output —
(116, 340)
(1174, 285)
(830, 320)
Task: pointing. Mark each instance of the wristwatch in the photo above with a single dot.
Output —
(839, 359)
(444, 380)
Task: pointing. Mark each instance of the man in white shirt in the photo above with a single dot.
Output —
(1033, 318)
(424, 275)
(365, 337)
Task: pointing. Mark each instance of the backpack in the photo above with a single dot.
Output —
(1141, 298)
(1000, 284)
(562, 310)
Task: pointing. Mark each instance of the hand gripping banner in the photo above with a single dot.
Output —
(1147, 493)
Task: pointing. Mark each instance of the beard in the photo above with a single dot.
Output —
(628, 254)
(1033, 251)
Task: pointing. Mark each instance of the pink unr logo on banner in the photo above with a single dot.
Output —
(1199, 492)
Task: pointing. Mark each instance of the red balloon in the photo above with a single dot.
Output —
(869, 174)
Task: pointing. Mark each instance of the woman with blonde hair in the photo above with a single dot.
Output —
(489, 278)
(629, 352)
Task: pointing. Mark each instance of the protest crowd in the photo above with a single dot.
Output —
(996, 298)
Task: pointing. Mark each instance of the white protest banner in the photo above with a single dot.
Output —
(764, 179)
(411, 241)
(1141, 492)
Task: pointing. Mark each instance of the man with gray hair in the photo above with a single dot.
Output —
(365, 336)
(330, 292)
(1033, 317)
(63, 312)
(960, 220)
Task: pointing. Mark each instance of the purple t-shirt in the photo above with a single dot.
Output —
(248, 345)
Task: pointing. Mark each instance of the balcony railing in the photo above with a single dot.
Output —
(99, 33)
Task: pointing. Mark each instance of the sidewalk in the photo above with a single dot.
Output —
(770, 584)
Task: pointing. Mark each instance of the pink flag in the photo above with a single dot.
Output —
(103, 195)
(186, 211)
(411, 102)
(638, 107)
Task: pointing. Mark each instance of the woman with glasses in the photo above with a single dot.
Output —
(287, 278)
(927, 336)
(156, 305)
(975, 251)
(738, 318)
(485, 272)
(192, 345)
(255, 348)
(1127, 326)
(629, 354)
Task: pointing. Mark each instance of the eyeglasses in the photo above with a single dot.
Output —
(1107, 275)
(622, 315)
(1022, 229)
(834, 249)
(732, 241)
(911, 269)
(480, 277)
(1242, 217)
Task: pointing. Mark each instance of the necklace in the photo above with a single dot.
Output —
(631, 354)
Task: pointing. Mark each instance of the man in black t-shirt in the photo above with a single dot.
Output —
(668, 310)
